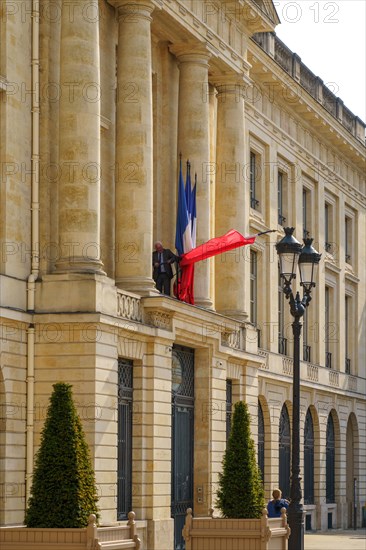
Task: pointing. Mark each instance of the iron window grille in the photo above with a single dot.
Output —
(124, 453)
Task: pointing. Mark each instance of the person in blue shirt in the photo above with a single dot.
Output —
(274, 506)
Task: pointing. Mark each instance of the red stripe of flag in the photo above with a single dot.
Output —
(232, 239)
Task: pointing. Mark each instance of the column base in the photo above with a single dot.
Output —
(76, 292)
(237, 314)
(79, 264)
(204, 302)
(144, 286)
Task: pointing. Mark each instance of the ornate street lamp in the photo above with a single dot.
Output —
(292, 254)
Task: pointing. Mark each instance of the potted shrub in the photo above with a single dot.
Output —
(240, 499)
(62, 510)
(64, 492)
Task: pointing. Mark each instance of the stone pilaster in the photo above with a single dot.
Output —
(79, 141)
(194, 144)
(152, 451)
(134, 148)
(230, 196)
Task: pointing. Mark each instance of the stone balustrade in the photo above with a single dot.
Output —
(129, 306)
(292, 64)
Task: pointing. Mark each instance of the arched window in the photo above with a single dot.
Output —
(261, 440)
(284, 453)
(330, 468)
(309, 459)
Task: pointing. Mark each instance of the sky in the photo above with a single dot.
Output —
(330, 38)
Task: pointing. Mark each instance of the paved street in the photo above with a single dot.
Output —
(336, 540)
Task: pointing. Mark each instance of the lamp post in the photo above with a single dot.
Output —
(292, 254)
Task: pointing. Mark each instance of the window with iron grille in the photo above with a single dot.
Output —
(306, 213)
(327, 327)
(330, 461)
(309, 459)
(347, 327)
(253, 287)
(348, 239)
(254, 202)
(284, 452)
(305, 333)
(229, 406)
(282, 341)
(124, 451)
(280, 193)
(327, 227)
(182, 438)
(261, 439)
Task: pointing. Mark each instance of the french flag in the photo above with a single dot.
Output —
(183, 232)
(186, 220)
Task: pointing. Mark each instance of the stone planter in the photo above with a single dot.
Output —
(121, 537)
(230, 534)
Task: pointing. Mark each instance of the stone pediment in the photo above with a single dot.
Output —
(268, 8)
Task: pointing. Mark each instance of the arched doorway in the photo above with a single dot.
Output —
(284, 452)
(330, 461)
(309, 459)
(351, 470)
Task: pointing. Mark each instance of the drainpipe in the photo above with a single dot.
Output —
(31, 285)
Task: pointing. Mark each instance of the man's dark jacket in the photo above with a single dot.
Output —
(167, 256)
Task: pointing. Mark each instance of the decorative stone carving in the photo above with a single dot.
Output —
(159, 319)
(231, 339)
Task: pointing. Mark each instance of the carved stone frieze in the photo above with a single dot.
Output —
(159, 319)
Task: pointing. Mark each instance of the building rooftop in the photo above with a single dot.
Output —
(292, 64)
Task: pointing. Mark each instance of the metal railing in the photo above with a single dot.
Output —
(306, 353)
(282, 345)
(348, 366)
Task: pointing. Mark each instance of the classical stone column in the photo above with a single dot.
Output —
(194, 144)
(79, 140)
(231, 202)
(134, 148)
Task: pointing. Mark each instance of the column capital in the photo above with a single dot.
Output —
(191, 52)
(133, 10)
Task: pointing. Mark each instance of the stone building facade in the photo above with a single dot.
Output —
(97, 99)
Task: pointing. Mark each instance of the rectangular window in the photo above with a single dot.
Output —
(327, 328)
(305, 329)
(282, 341)
(280, 192)
(305, 213)
(347, 313)
(253, 287)
(348, 240)
(124, 427)
(254, 202)
(327, 222)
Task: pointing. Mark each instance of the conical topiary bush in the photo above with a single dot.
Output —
(63, 491)
(241, 493)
